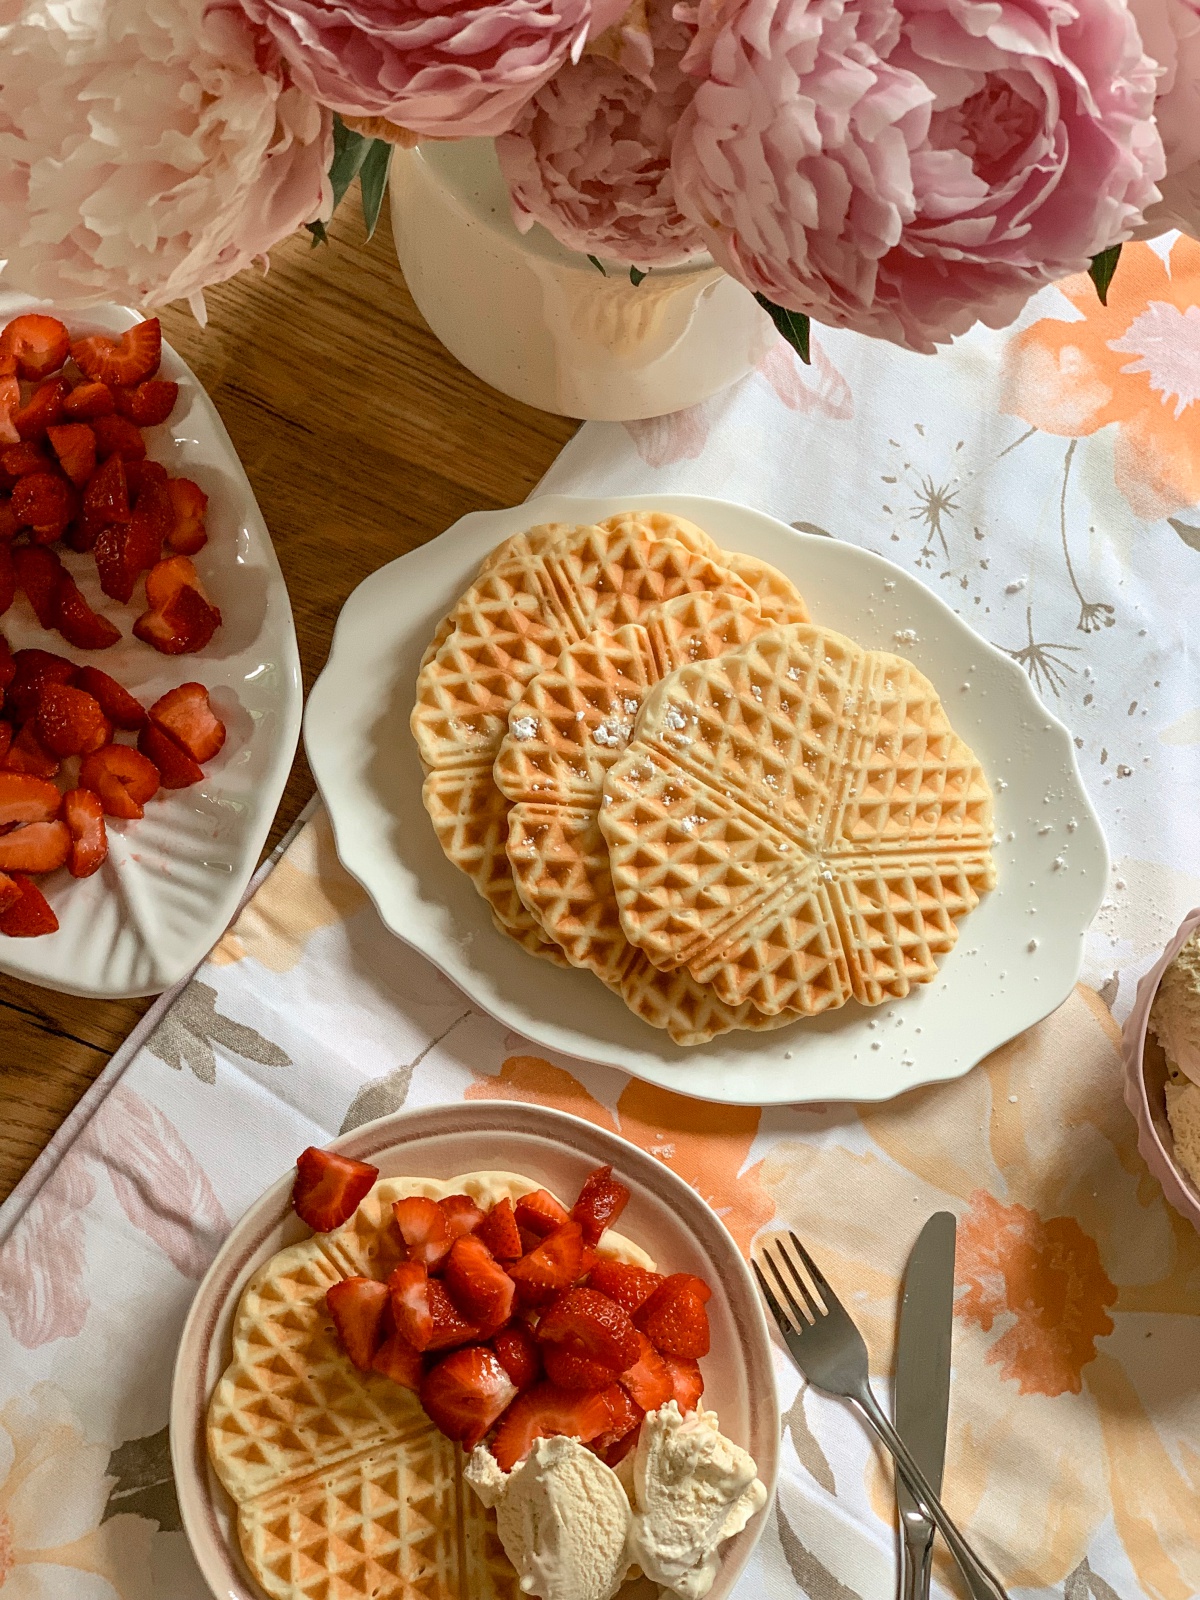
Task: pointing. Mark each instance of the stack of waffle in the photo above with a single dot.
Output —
(653, 765)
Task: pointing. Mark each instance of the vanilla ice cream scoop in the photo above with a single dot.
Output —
(1175, 1014)
(693, 1488)
(562, 1516)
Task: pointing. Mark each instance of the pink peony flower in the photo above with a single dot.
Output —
(904, 167)
(446, 69)
(590, 155)
(1170, 32)
(144, 152)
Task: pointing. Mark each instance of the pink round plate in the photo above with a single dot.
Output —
(664, 1215)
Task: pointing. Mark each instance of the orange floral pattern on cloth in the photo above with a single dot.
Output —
(704, 1144)
(1042, 1279)
(1133, 364)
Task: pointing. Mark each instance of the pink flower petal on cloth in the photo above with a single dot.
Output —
(158, 1182)
(819, 389)
(41, 1262)
(679, 436)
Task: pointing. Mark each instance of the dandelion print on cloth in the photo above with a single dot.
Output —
(1038, 480)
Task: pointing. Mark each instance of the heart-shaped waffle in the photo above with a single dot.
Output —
(797, 823)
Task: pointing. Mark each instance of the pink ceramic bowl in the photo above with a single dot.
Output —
(1145, 1080)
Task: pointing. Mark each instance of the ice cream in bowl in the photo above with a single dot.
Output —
(1162, 1068)
(532, 1377)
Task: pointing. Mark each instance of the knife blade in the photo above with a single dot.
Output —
(923, 1387)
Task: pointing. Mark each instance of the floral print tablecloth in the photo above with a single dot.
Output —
(1047, 482)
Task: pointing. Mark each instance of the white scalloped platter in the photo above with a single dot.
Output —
(174, 879)
(1018, 954)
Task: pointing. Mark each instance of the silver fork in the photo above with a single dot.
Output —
(829, 1350)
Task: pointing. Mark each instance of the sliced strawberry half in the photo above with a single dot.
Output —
(517, 1352)
(687, 1382)
(423, 1228)
(84, 817)
(31, 915)
(45, 504)
(27, 754)
(39, 572)
(176, 769)
(35, 847)
(9, 526)
(675, 1320)
(125, 780)
(74, 444)
(629, 1286)
(549, 1267)
(601, 1201)
(42, 410)
(572, 1371)
(408, 1286)
(106, 497)
(117, 436)
(114, 699)
(32, 671)
(587, 1323)
(185, 623)
(623, 1417)
(540, 1213)
(87, 401)
(450, 1327)
(357, 1306)
(544, 1410)
(10, 404)
(69, 722)
(36, 343)
(329, 1188)
(186, 714)
(123, 362)
(396, 1359)
(148, 403)
(27, 799)
(462, 1214)
(464, 1394)
(10, 892)
(189, 503)
(648, 1380)
(500, 1233)
(477, 1283)
(616, 1453)
(118, 562)
(19, 460)
(78, 623)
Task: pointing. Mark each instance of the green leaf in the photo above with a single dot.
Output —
(373, 181)
(599, 265)
(793, 325)
(636, 276)
(1101, 270)
(145, 1485)
(350, 151)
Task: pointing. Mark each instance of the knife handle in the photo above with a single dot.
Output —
(916, 1560)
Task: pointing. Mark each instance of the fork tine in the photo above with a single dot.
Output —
(818, 1277)
(802, 1321)
(777, 1311)
(817, 1304)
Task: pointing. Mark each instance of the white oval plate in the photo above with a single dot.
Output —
(664, 1215)
(173, 880)
(1017, 957)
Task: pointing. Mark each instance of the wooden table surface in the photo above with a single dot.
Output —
(362, 438)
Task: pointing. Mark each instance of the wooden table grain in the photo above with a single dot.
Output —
(362, 437)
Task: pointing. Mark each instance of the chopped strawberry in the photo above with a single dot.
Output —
(84, 817)
(462, 1214)
(117, 436)
(601, 1201)
(38, 344)
(674, 1319)
(186, 623)
(38, 573)
(20, 460)
(550, 1267)
(78, 623)
(32, 671)
(477, 1283)
(8, 577)
(10, 892)
(587, 1323)
(500, 1233)
(687, 1382)
(616, 1453)
(140, 475)
(176, 769)
(153, 516)
(31, 915)
(167, 579)
(329, 1187)
(124, 779)
(125, 361)
(623, 1417)
(689, 1280)
(396, 1359)
(42, 410)
(517, 1352)
(44, 504)
(628, 1286)
(27, 799)
(588, 1257)
(6, 736)
(150, 403)
(74, 444)
(117, 563)
(26, 754)
(69, 722)
(540, 1213)
(106, 497)
(189, 502)
(8, 665)
(357, 1306)
(115, 700)
(35, 847)
(450, 1327)
(423, 1227)
(87, 401)
(10, 404)
(9, 526)
(648, 1380)
(464, 1394)
(546, 1409)
(411, 1314)
(571, 1371)
(186, 715)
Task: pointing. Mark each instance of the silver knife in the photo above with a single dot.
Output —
(923, 1388)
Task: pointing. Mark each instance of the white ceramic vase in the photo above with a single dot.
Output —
(541, 323)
